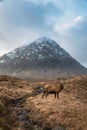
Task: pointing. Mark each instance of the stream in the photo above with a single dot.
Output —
(23, 120)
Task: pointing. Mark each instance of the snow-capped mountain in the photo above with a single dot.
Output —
(43, 57)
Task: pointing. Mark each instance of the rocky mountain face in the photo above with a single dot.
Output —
(41, 58)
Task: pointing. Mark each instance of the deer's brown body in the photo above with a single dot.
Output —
(53, 89)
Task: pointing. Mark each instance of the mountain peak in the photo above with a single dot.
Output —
(43, 39)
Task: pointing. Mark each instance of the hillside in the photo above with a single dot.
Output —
(41, 58)
(22, 106)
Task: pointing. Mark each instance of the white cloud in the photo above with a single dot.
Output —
(78, 19)
(73, 23)
(63, 27)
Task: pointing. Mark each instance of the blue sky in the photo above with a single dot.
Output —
(65, 21)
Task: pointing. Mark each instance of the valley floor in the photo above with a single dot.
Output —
(22, 106)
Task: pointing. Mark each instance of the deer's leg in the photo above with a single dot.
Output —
(43, 94)
(57, 95)
(47, 94)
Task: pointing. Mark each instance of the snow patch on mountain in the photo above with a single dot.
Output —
(2, 61)
(44, 40)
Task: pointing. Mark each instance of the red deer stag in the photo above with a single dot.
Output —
(52, 89)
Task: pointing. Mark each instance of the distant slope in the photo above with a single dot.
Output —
(42, 58)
